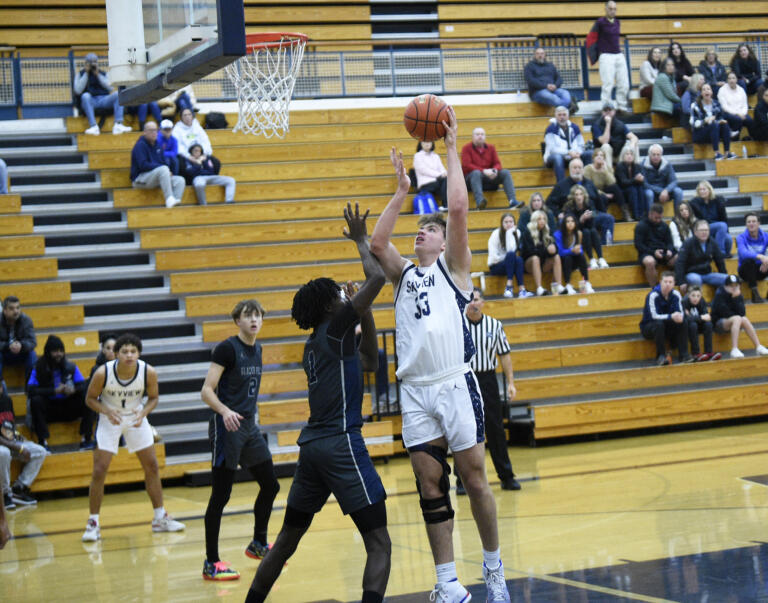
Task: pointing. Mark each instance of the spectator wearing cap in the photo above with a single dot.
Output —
(201, 171)
(611, 134)
(17, 337)
(149, 169)
(730, 316)
(563, 142)
(544, 81)
(753, 255)
(95, 91)
(170, 146)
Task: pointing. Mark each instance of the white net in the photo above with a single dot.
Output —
(264, 79)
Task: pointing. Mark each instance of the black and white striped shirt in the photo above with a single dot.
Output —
(490, 340)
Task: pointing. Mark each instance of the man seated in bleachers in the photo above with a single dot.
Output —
(149, 170)
(730, 316)
(753, 255)
(483, 171)
(17, 337)
(660, 178)
(14, 447)
(95, 91)
(544, 82)
(201, 171)
(663, 320)
(610, 134)
(694, 260)
(57, 393)
(653, 241)
(3, 178)
(563, 142)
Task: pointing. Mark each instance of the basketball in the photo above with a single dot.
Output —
(424, 117)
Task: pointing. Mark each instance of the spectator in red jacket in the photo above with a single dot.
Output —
(483, 171)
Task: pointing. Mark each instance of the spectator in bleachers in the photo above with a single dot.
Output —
(611, 134)
(503, 259)
(431, 175)
(149, 170)
(536, 203)
(544, 81)
(604, 46)
(689, 97)
(745, 65)
(694, 260)
(106, 353)
(713, 70)
(92, 85)
(170, 146)
(188, 131)
(537, 246)
(146, 108)
(201, 171)
(17, 337)
(729, 315)
(653, 241)
(708, 123)
(57, 393)
(601, 175)
(14, 447)
(682, 224)
(706, 205)
(568, 239)
(580, 206)
(753, 255)
(683, 67)
(176, 102)
(3, 178)
(761, 116)
(660, 178)
(563, 142)
(665, 99)
(629, 175)
(663, 320)
(699, 322)
(483, 171)
(649, 71)
(733, 101)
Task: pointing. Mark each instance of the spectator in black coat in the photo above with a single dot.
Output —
(747, 68)
(683, 67)
(663, 320)
(653, 241)
(694, 260)
(17, 337)
(539, 252)
(713, 70)
(730, 316)
(629, 176)
(544, 82)
(699, 322)
(761, 116)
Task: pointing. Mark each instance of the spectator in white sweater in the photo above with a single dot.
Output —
(733, 102)
(188, 131)
(649, 70)
(503, 258)
(431, 176)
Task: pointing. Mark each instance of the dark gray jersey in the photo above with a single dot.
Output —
(240, 381)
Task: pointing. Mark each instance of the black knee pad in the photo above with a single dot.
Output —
(429, 505)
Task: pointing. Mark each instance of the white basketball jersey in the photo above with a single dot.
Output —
(432, 337)
(125, 396)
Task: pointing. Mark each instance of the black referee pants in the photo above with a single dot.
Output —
(495, 435)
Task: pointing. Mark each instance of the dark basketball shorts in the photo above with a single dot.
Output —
(338, 465)
(246, 446)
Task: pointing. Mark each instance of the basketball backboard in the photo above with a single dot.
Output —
(158, 46)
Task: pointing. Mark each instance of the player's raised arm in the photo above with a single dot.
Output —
(457, 253)
(381, 245)
(374, 273)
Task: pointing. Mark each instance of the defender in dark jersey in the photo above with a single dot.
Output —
(230, 389)
(333, 457)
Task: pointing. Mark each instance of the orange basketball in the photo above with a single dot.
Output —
(424, 117)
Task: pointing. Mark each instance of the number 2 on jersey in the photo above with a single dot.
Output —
(422, 305)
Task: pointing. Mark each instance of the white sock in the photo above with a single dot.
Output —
(94, 517)
(159, 512)
(446, 572)
(492, 559)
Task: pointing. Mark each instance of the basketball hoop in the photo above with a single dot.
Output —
(264, 80)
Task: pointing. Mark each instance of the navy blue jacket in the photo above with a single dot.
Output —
(539, 75)
(658, 308)
(145, 157)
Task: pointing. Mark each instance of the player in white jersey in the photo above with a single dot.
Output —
(440, 400)
(117, 392)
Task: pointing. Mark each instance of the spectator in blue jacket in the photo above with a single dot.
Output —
(95, 91)
(753, 255)
(202, 171)
(568, 241)
(660, 178)
(663, 320)
(563, 142)
(713, 70)
(3, 178)
(149, 170)
(170, 146)
(544, 81)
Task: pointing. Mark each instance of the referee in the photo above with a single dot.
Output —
(490, 340)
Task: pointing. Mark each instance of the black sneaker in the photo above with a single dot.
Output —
(257, 550)
(21, 496)
(460, 489)
(8, 502)
(87, 445)
(510, 484)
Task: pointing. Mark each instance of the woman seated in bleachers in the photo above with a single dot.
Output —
(733, 102)
(602, 177)
(580, 205)
(431, 175)
(683, 67)
(706, 205)
(713, 70)
(536, 203)
(688, 98)
(747, 68)
(503, 259)
(665, 99)
(649, 71)
(629, 175)
(760, 131)
(537, 246)
(568, 239)
(681, 225)
(708, 124)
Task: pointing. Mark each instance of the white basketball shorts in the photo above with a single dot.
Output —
(136, 438)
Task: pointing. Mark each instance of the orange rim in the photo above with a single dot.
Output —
(255, 41)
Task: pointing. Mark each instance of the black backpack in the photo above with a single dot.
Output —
(215, 121)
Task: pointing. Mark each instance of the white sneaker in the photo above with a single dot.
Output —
(523, 293)
(172, 202)
(167, 524)
(508, 292)
(569, 288)
(557, 288)
(120, 129)
(450, 592)
(761, 350)
(541, 291)
(588, 287)
(593, 264)
(601, 263)
(496, 584)
(737, 353)
(92, 531)
(93, 130)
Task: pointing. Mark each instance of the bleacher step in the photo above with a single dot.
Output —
(84, 228)
(55, 209)
(124, 272)
(47, 189)
(110, 249)
(41, 151)
(124, 321)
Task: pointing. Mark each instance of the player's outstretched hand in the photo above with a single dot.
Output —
(403, 181)
(355, 223)
(349, 288)
(451, 128)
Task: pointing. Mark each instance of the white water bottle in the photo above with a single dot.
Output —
(608, 238)
(744, 151)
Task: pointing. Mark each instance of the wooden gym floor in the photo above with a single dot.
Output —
(670, 517)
